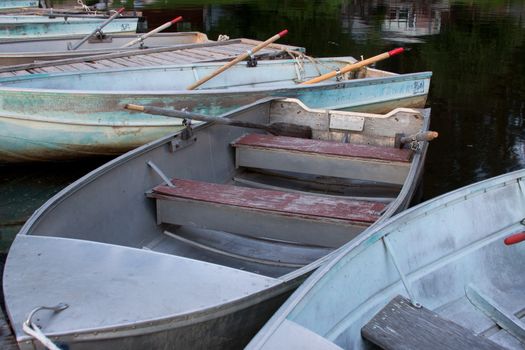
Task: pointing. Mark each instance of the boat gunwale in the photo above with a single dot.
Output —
(219, 91)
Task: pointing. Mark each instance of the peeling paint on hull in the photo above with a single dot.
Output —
(65, 104)
(31, 26)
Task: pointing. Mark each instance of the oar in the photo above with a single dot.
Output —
(98, 29)
(280, 129)
(154, 31)
(238, 59)
(400, 140)
(354, 66)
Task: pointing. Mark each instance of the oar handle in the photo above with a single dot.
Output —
(421, 136)
(238, 59)
(154, 31)
(355, 66)
(515, 238)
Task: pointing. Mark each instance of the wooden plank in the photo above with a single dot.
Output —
(175, 57)
(104, 64)
(159, 57)
(399, 325)
(324, 147)
(123, 62)
(207, 54)
(277, 201)
(278, 215)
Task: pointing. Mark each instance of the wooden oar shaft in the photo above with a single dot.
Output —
(354, 66)
(238, 59)
(154, 31)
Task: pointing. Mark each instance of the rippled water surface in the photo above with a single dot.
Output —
(476, 50)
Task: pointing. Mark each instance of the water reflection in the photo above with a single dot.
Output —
(474, 48)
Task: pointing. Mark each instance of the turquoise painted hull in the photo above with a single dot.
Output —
(445, 248)
(34, 26)
(64, 104)
(13, 4)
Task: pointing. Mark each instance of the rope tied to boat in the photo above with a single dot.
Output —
(84, 6)
(34, 331)
(300, 59)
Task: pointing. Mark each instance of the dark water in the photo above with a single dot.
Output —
(476, 50)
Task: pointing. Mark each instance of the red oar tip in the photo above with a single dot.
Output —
(515, 238)
(396, 51)
(283, 33)
(120, 10)
(175, 20)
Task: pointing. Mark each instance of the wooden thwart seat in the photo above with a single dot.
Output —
(328, 158)
(399, 325)
(307, 219)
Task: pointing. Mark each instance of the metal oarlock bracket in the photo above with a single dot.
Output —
(401, 274)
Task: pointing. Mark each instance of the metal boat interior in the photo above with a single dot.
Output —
(452, 255)
(38, 49)
(195, 239)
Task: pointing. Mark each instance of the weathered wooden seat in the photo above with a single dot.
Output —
(294, 217)
(328, 158)
(399, 325)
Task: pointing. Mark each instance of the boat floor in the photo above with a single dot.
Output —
(264, 257)
(463, 312)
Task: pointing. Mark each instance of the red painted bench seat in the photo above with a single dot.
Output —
(291, 204)
(325, 147)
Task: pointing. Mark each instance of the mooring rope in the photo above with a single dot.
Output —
(33, 330)
(84, 6)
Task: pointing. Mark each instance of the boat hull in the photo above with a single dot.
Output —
(15, 4)
(450, 250)
(57, 108)
(15, 52)
(108, 212)
(18, 27)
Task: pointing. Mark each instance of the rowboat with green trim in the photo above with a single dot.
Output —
(64, 116)
(15, 4)
(32, 26)
(16, 52)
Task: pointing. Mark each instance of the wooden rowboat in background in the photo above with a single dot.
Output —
(195, 239)
(451, 255)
